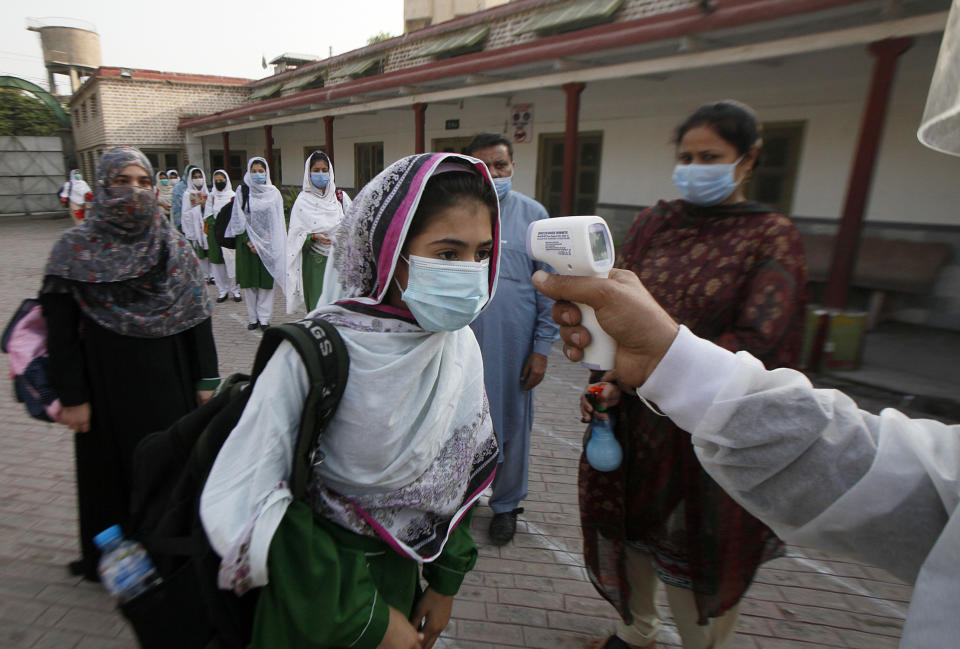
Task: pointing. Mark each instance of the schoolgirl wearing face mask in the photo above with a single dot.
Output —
(257, 223)
(220, 196)
(411, 446)
(76, 194)
(316, 213)
(734, 272)
(192, 214)
(164, 192)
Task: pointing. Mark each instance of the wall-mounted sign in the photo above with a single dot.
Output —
(521, 123)
(452, 124)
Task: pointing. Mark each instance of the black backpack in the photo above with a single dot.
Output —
(187, 610)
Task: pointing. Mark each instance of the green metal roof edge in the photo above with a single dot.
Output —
(265, 91)
(543, 23)
(302, 80)
(354, 68)
(460, 40)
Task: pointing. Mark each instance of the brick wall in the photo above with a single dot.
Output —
(141, 113)
(87, 131)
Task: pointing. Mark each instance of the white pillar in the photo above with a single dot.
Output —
(194, 147)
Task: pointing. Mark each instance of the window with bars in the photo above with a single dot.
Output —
(368, 162)
(774, 180)
(550, 172)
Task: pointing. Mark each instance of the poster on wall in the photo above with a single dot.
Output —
(521, 123)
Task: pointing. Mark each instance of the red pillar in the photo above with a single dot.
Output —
(226, 151)
(328, 135)
(886, 54)
(845, 249)
(570, 147)
(268, 136)
(420, 113)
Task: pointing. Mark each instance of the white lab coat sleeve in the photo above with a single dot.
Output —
(809, 463)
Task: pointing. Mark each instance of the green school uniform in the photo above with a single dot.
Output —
(214, 254)
(197, 248)
(330, 587)
(313, 265)
(251, 273)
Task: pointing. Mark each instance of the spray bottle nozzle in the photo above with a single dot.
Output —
(593, 395)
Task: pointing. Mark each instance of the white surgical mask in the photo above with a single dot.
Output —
(446, 295)
(503, 186)
(706, 185)
(198, 182)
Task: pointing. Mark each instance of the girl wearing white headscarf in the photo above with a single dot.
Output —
(316, 213)
(220, 195)
(410, 448)
(191, 215)
(76, 193)
(164, 192)
(258, 224)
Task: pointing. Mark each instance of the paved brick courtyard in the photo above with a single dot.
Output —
(530, 593)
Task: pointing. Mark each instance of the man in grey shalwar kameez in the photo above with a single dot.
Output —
(515, 333)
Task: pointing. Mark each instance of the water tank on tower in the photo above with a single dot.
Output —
(70, 47)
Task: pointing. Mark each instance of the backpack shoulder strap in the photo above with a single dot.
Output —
(325, 357)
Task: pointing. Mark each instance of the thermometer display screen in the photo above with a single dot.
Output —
(598, 243)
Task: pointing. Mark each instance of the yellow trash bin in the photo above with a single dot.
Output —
(843, 348)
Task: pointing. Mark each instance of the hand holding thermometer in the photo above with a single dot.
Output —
(578, 245)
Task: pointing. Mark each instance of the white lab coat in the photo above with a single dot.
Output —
(822, 473)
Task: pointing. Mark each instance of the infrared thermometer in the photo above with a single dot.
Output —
(578, 245)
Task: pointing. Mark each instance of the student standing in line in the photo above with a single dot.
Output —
(129, 336)
(164, 193)
(410, 448)
(257, 223)
(75, 194)
(316, 213)
(219, 197)
(176, 197)
(192, 218)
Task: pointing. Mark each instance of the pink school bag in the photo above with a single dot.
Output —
(25, 342)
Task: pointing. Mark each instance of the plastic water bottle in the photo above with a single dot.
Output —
(603, 449)
(125, 569)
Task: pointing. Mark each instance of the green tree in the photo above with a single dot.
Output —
(24, 114)
(376, 38)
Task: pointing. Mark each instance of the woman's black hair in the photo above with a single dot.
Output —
(734, 122)
(197, 170)
(447, 190)
(318, 155)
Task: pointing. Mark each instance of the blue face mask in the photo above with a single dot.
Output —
(446, 295)
(77, 176)
(706, 185)
(258, 178)
(503, 185)
(320, 180)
